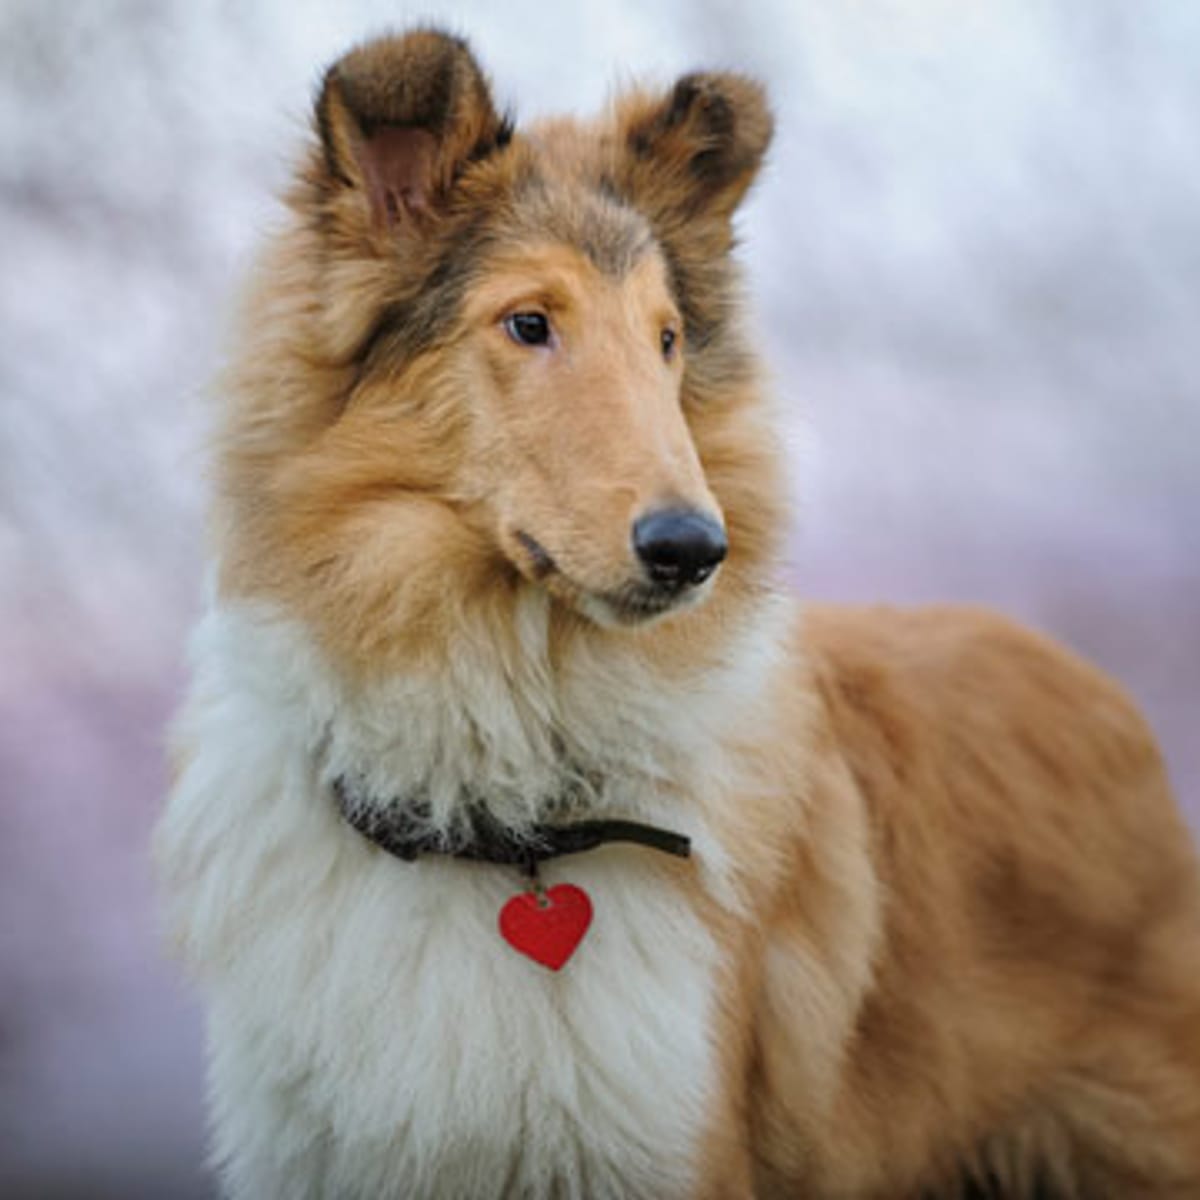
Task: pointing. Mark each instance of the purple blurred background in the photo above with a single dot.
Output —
(975, 261)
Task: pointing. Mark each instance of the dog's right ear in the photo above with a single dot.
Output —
(400, 118)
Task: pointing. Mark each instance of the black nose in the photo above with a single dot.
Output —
(679, 546)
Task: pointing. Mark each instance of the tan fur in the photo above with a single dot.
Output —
(966, 935)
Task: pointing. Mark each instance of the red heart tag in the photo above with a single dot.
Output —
(547, 926)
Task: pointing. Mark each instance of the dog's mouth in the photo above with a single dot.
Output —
(634, 603)
(540, 561)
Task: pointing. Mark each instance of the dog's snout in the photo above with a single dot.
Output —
(679, 547)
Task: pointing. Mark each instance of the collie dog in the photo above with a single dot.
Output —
(526, 840)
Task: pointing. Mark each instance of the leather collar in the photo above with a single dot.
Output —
(399, 830)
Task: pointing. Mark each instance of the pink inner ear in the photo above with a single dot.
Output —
(398, 164)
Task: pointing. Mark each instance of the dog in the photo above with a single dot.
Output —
(526, 838)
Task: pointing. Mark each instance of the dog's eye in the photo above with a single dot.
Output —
(669, 338)
(528, 328)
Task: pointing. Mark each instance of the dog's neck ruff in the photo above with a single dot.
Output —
(400, 830)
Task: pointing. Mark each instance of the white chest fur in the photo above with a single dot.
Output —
(371, 1034)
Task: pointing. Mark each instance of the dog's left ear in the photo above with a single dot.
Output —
(692, 153)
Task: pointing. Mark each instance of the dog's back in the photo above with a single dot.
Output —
(1035, 1013)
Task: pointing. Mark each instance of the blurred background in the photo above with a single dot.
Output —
(975, 262)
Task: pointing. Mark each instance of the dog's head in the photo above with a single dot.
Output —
(503, 355)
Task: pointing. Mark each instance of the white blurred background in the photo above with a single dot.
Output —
(975, 259)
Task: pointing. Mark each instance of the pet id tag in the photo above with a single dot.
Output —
(546, 924)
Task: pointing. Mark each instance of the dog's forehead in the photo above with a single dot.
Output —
(566, 194)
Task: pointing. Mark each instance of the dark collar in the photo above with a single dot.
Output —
(398, 830)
